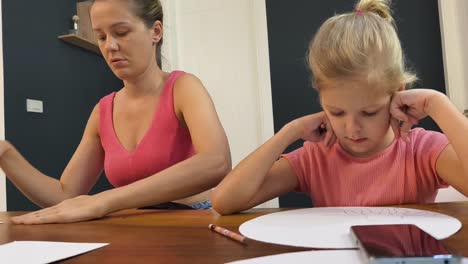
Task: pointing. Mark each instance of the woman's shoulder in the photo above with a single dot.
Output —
(107, 98)
(188, 87)
(184, 79)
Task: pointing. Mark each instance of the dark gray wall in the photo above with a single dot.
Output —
(291, 25)
(68, 79)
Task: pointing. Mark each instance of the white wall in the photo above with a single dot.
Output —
(453, 26)
(225, 44)
(168, 50)
(2, 117)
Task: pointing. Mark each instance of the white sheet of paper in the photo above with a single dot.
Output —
(328, 227)
(307, 257)
(32, 252)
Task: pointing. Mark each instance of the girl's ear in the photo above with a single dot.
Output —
(402, 87)
(157, 32)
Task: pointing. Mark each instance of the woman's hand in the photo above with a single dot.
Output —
(80, 208)
(408, 107)
(314, 128)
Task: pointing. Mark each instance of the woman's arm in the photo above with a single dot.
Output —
(198, 173)
(78, 177)
(261, 176)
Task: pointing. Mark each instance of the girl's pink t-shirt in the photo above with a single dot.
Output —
(165, 143)
(405, 172)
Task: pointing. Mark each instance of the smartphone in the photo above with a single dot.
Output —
(400, 244)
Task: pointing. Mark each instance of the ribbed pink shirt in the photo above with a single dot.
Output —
(402, 173)
(165, 143)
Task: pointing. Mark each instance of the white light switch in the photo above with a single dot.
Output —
(34, 106)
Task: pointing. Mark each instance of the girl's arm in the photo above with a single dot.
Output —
(261, 177)
(452, 164)
(79, 176)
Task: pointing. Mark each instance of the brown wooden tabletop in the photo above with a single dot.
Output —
(180, 236)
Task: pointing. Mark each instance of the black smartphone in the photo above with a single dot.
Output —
(400, 244)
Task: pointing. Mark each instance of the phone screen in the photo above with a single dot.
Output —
(400, 243)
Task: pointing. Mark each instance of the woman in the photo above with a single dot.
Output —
(158, 139)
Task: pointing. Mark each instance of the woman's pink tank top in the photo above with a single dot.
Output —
(165, 143)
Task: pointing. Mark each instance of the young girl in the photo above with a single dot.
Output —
(358, 69)
(158, 139)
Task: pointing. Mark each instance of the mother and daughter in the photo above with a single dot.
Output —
(159, 139)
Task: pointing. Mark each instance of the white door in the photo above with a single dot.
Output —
(225, 44)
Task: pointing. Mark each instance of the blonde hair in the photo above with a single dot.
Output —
(362, 44)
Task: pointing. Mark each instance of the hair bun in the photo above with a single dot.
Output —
(380, 7)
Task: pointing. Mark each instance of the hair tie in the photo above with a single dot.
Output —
(357, 11)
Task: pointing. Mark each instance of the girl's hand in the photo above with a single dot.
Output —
(408, 107)
(76, 209)
(315, 127)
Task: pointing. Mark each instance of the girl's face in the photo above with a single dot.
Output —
(359, 115)
(127, 44)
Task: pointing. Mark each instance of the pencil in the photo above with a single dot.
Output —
(227, 233)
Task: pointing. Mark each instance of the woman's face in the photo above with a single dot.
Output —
(359, 115)
(127, 44)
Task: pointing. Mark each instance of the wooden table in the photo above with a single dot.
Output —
(180, 236)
